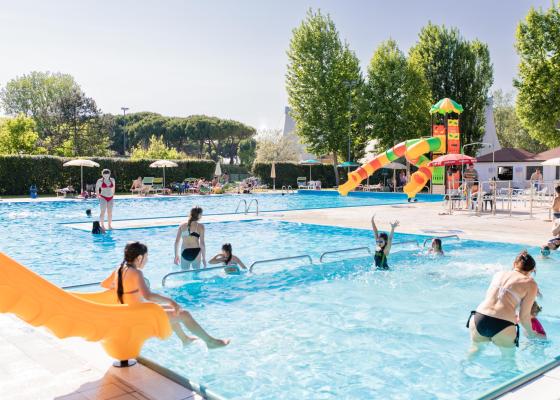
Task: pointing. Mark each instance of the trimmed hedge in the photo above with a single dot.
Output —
(287, 174)
(17, 173)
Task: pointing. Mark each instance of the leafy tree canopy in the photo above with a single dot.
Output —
(18, 136)
(156, 149)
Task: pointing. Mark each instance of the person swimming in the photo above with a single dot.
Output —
(383, 244)
(129, 283)
(436, 247)
(191, 237)
(553, 244)
(496, 319)
(231, 262)
(88, 212)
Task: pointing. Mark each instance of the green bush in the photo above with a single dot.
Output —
(17, 173)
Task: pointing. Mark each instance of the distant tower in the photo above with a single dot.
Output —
(290, 130)
(490, 135)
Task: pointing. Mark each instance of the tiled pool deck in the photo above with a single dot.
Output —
(35, 365)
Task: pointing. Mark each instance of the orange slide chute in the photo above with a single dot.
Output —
(414, 150)
(97, 317)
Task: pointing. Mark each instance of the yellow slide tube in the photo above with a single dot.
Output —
(97, 317)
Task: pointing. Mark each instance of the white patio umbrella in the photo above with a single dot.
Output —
(163, 164)
(552, 161)
(79, 162)
(218, 170)
(273, 175)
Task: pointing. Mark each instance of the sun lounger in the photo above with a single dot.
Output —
(147, 185)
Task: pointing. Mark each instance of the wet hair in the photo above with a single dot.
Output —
(558, 189)
(194, 215)
(536, 309)
(437, 242)
(545, 250)
(96, 228)
(106, 171)
(525, 261)
(88, 212)
(385, 237)
(131, 251)
(227, 248)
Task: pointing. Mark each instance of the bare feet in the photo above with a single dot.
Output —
(217, 343)
(110, 228)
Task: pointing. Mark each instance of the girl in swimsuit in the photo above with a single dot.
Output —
(383, 244)
(191, 237)
(105, 190)
(231, 262)
(128, 281)
(436, 248)
(495, 319)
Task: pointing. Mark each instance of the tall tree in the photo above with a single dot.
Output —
(323, 80)
(247, 152)
(18, 136)
(273, 146)
(459, 69)
(538, 46)
(398, 97)
(508, 127)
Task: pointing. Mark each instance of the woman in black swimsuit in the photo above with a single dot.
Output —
(509, 297)
(382, 244)
(191, 237)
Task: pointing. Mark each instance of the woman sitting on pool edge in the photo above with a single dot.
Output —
(231, 262)
(495, 319)
(128, 281)
(383, 244)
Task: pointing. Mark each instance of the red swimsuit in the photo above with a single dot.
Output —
(104, 186)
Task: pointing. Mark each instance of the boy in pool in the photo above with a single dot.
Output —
(436, 248)
(231, 262)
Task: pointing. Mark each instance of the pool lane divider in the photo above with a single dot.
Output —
(181, 380)
(522, 380)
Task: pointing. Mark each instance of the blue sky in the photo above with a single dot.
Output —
(222, 58)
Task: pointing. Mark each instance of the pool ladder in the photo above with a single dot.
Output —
(247, 207)
(287, 189)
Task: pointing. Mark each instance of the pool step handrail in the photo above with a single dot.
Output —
(81, 285)
(249, 206)
(344, 251)
(306, 256)
(408, 241)
(439, 237)
(239, 204)
(288, 189)
(188, 271)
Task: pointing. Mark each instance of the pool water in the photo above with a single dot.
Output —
(322, 331)
(343, 330)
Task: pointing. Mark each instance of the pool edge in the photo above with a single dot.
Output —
(179, 379)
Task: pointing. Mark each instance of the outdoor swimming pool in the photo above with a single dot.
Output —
(322, 331)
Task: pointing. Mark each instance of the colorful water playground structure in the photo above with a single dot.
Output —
(445, 139)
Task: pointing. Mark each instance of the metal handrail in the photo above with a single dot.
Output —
(249, 206)
(81, 285)
(344, 251)
(238, 204)
(281, 259)
(188, 271)
(439, 237)
(408, 241)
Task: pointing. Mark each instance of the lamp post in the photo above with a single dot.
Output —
(124, 110)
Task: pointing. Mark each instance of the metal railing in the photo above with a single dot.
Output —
(288, 189)
(439, 237)
(239, 204)
(306, 256)
(249, 206)
(188, 271)
(344, 251)
(408, 242)
(81, 285)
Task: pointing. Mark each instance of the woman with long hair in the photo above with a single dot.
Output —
(226, 257)
(190, 249)
(510, 296)
(130, 285)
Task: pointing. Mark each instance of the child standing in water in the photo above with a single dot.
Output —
(535, 323)
(436, 248)
(231, 262)
(383, 244)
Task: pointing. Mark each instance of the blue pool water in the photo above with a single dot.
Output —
(322, 331)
